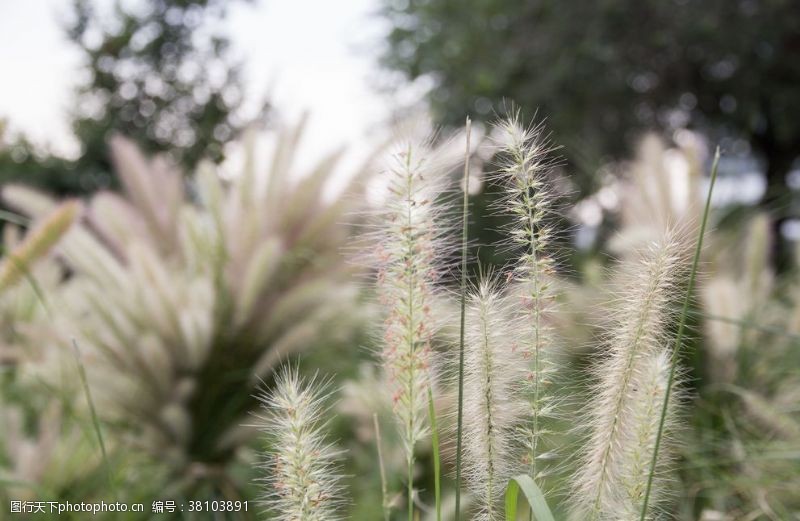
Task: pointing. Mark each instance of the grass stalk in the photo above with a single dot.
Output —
(406, 256)
(679, 336)
(382, 467)
(303, 479)
(437, 465)
(38, 242)
(494, 406)
(410, 488)
(14, 218)
(95, 420)
(464, 233)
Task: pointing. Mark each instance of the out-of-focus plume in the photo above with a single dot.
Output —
(38, 242)
(183, 292)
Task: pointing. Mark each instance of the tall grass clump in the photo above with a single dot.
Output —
(183, 292)
(409, 244)
(41, 446)
(494, 376)
(749, 406)
(631, 381)
(302, 474)
(524, 170)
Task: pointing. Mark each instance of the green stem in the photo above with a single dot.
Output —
(382, 466)
(437, 466)
(14, 218)
(95, 420)
(679, 336)
(464, 234)
(746, 324)
(411, 487)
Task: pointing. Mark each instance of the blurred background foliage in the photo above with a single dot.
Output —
(604, 71)
(179, 307)
(601, 73)
(160, 74)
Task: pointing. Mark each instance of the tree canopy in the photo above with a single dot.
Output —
(157, 72)
(603, 71)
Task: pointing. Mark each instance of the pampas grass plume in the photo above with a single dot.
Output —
(302, 478)
(529, 200)
(408, 245)
(631, 381)
(38, 243)
(650, 385)
(494, 405)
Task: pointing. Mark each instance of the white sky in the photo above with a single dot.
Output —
(315, 55)
(37, 69)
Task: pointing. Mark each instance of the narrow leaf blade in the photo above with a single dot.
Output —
(533, 494)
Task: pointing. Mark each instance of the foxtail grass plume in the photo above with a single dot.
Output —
(38, 243)
(302, 478)
(739, 291)
(723, 297)
(529, 200)
(494, 376)
(650, 385)
(625, 411)
(409, 242)
(406, 274)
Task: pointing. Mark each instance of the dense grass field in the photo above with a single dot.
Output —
(265, 347)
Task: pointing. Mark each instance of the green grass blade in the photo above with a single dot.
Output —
(437, 465)
(382, 468)
(464, 232)
(679, 336)
(93, 412)
(533, 494)
(14, 218)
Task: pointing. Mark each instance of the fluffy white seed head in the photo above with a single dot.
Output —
(494, 404)
(407, 248)
(738, 291)
(302, 478)
(649, 385)
(37, 244)
(525, 172)
(624, 406)
(723, 296)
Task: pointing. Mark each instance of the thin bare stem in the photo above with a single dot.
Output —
(437, 465)
(679, 336)
(382, 467)
(93, 411)
(464, 230)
